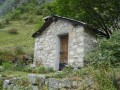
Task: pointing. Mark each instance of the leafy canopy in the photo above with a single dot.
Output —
(102, 14)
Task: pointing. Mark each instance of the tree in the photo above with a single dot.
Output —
(102, 14)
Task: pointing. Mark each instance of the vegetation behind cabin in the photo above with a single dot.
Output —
(16, 43)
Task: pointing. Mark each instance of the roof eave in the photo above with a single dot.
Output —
(50, 19)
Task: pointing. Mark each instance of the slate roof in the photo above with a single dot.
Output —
(50, 19)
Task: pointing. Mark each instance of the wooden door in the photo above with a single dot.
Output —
(64, 49)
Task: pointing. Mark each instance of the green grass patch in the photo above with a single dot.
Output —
(12, 74)
(22, 39)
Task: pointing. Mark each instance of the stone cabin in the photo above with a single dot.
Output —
(61, 41)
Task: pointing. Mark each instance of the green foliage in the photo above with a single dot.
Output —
(59, 75)
(100, 14)
(44, 9)
(15, 14)
(39, 22)
(1, 25)
(19, 67)
(7, 65)
(30, 19)
(22, 82)
(6, 55)
(24, 16)
(1, 85)
(19, 50)
(104, 78)
(107, 53)
(28, 69)
(7, 21)
(68, 70)
(4, 23)
(49, 70)
(42, 70)
(14, 55)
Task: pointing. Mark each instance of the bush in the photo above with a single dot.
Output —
(103, 78)
(2, 25)
(39, 23)
(30, 19)
(60, 75)
(15, 14)
(19, 67)
(7, 21)
(68, 69)
(42, 70)
(6, 55)
(24, 16)
(14, 55)
(1, 85)
(7, 65)
(107, 53)
(13, 31)
(43, 9)
(49, 70)
(28, 69)
(19, 50)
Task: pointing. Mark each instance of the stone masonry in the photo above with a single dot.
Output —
(47, 46)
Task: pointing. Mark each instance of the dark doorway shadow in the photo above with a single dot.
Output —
(61, 66)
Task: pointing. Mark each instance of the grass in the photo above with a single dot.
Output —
(11, 74)
(23, 38)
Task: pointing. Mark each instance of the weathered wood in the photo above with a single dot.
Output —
(64, 49)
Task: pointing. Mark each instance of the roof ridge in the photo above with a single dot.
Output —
(51, 18)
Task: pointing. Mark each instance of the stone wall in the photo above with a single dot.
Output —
(40, 82)
(47, 45)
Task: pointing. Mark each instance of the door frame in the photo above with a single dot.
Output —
(58, 49)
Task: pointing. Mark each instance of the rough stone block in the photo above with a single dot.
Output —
(35, 87)
(6, 83)
(36, 79)
(65, 83)
(53, 88)
(32, 78)
(53, 83)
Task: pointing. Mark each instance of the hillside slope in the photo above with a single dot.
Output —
(9, 5)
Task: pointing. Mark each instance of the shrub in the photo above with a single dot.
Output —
(7, 21)
(13, 31)
(14, 55)
(15, 14)
(60, 75)
(39, 22)
(68, 69)
(107, 53)
(1, 85)
(30, 19)
(19, 50)
(41, 69)
(19, 67)
(24, 16)
(49, 70)
(6, 55)
(7, 65)
(43, 9)
(2, 25)
(22, 82)
(103, 79)
(29, 69)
